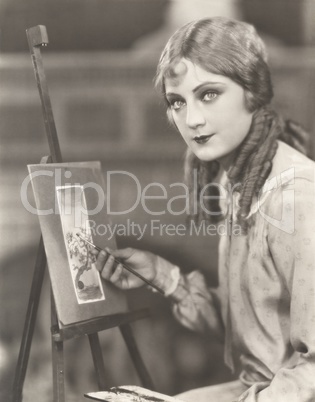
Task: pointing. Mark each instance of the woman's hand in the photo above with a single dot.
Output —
(143, 262)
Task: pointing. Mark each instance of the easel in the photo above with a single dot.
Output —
(37, 37)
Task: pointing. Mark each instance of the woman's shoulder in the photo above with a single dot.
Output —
(291, 180)
(289, 164)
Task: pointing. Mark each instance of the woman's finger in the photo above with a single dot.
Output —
(109, 265)
(93, 251)
(100, 261)
(123, 253)
(116, 276)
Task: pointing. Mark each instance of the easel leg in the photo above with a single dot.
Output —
(136, 357)
(29, 324)
(98, 360)
(58, 372)
(57, 360)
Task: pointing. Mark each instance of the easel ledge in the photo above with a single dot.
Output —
(63, 333)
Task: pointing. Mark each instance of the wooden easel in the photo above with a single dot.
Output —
(37, 37)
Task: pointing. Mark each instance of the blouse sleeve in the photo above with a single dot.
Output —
(195, 305)
(294, 257)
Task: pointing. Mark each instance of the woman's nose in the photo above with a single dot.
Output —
(194, 117)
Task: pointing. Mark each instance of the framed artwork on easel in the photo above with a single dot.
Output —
(70, 202)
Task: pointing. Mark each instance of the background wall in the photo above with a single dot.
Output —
(100, 65)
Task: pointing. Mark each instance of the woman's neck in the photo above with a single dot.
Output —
(227, 160)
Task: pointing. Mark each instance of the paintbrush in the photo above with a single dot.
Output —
(123, 265)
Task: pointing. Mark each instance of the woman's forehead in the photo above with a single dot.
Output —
(179, 68)
(185, 70)
(179, 71)
(175, 72)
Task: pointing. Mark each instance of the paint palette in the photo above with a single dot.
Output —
(130, 393)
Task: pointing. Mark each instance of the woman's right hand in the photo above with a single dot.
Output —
(143, 262)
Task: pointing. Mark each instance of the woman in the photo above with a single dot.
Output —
(215, 79)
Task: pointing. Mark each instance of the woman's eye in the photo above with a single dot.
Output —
(209, 96)
(177, 104)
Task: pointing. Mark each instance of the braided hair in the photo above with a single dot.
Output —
(233, 49)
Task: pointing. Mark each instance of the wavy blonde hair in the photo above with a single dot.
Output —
(221, 46)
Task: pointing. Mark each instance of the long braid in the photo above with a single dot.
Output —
(252, 166)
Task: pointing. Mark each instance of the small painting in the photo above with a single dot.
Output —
(85, 277)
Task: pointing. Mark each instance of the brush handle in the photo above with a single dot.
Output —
(124, 266)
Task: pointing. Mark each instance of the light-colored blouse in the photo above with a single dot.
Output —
(264, 306)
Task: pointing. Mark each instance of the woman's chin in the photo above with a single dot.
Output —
(204, 156)
(223, 158)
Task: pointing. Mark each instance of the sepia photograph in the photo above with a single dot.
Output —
(157, 200)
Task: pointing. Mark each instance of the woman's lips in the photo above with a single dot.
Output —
(202, 139)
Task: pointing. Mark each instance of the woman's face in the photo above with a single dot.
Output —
(209, 111)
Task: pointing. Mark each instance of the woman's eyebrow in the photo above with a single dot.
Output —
(196, 89)
(171, 94)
